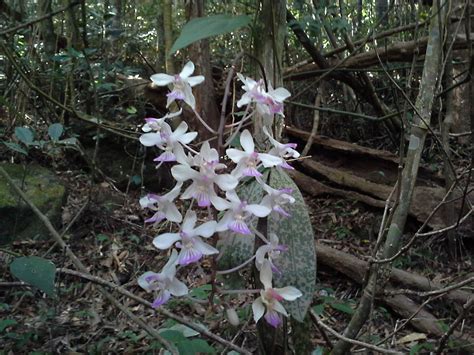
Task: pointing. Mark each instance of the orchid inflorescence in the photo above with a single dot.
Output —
(200, 177)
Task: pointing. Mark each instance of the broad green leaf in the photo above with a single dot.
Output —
(237, 248)
(343, 307)
(205, 27)
(55, 131)
(298, 264)
(195, 346)
(15, 147)
(25, 135)
(35, 271)
(186, 331)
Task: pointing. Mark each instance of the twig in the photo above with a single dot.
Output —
(450, 331)
(434, 292)
(318, 321)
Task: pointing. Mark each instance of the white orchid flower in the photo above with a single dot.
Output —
(282, 150)
(267, 103)
(272, 250)
(202, 187)
(182, 84)
(155, 124)
(165, 283)
(236, 217)
(169, 141)
(248, 160)
(188, 239)
(269, 301)
(276, 198)
(163, 205)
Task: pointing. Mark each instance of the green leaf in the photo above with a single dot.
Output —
(173, 335)
(25, 135)
(55, 131)
(193, 347)
(299, 262)
(201, 292)
(131, 110)
(205, 27)
(35, 271)
(15, 147)
(319, 309)
(343, 307)
(5, 323)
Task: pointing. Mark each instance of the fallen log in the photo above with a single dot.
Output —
(396, 52)
(355, 269)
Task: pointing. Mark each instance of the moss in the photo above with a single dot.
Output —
(43, 189)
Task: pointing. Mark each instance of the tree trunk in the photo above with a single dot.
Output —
(269, 40)
(167, 6)
(199, 53)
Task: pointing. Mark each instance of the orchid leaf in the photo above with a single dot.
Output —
(205, 27)
(299, 262)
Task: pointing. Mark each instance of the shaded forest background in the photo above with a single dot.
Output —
(370, 81)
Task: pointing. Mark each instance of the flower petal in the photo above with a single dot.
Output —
(226, 182)
(273, 318)
(258, 309)
(189, 222)
(204, 248)
(289, 293)
(206, 229)
(177, 288)
(143, 283)
(195, 80)
(266, 274)
(151, 139)
(188, 69)
(246, 141)
(162, 79)
(258, 210)
(162, 298)
(235, 155)
(269, 160)
(165, 240)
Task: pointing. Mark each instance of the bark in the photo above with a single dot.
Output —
(199, 53)
(379, 274)
(168, 30)
(47, 28)
(269, 44)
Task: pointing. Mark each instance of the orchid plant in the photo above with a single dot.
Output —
(207, 182)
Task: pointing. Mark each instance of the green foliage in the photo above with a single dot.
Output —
(24, 135)
(55, 131)
(205, 27)
(5, 323)
(201, 292)
(299, 262)
(179, 336)
(35, 271)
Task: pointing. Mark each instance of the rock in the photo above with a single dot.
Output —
(46, 192)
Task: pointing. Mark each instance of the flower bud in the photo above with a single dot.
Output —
(232, 316)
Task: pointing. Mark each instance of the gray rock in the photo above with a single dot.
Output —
(46, 192)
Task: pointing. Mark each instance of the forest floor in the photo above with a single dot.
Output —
(110, 237)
